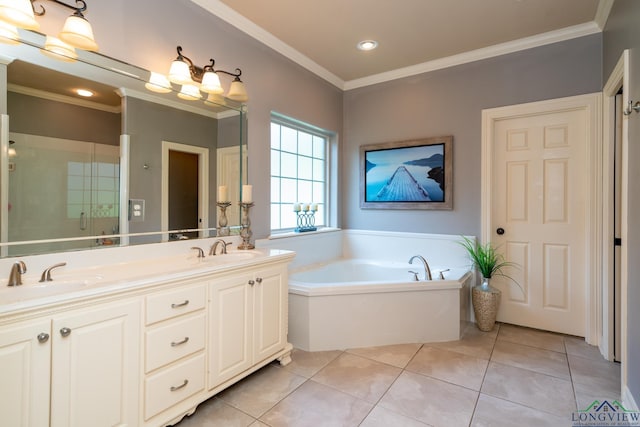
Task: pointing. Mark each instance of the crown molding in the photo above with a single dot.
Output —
(602, 13)
(232, 17)
(224, 12)
(62, 98)
(477, 55)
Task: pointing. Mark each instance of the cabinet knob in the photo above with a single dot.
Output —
(251, 282)
(65, 332)
(259, 279)
(43, 337)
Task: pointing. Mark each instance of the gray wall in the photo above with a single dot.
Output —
(148, 124)
(450, 102)
(38, 116)
(623, 32)
(146, 32)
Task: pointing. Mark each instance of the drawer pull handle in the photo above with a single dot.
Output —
(178, 387)
(65, 332)
(43, 337)
(251, 282)
(184, 341)
(180, 304)
(259, 280)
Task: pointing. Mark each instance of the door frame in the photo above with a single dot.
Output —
(592, 104)
(203, 186)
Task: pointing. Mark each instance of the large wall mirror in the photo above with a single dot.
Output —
(124, 166)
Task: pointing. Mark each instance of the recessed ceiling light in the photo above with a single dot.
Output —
(367, 45)
(84, 92)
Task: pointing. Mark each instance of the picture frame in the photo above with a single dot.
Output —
(415, 174)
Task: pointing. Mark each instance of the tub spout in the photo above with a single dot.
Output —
(427, 270)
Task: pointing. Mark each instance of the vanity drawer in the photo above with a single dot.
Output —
(173, 385)
(176, 339)
(166, 305)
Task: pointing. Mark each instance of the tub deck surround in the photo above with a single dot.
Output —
(352, 288)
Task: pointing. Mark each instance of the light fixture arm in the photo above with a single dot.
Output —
(197, 72)
(80, 7)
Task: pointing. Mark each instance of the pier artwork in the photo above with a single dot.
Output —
(402, 186)
(415, 174)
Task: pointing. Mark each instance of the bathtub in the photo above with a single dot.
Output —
(350, 303)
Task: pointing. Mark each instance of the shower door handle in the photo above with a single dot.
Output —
(83, 221)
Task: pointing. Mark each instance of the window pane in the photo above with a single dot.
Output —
(275, 163)
(275, 188)
(289, 218)
(288, 189)
(318, 170)
(319, 147)
(304, 192)
(289, 165)
(305, 168)
(305, 145)
(289, 139)
(275, 136)
(318, 192)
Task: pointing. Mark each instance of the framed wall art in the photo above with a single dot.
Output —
(407, 175)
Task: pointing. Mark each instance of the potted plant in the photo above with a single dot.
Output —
(484, 297)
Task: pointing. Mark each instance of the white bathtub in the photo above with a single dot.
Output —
(351, 303)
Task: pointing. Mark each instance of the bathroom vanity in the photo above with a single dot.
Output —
(139, 343)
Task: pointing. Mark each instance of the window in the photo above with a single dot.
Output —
(299, 170)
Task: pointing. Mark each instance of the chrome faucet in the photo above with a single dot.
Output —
(427, 270)
(215, 245)
(46, 274)
(200, 251)
(15, 276)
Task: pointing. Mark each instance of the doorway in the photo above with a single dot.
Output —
(185, 191)
(539, 206)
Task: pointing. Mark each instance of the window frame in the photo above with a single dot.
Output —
(330, 141)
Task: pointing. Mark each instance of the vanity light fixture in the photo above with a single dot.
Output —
(196, 79)
(57, 49)
(367, 45)
(76, 31)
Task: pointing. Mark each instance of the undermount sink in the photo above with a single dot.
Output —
(231, 257)
(32, 288)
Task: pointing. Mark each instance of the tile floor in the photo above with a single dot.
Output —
(510, 376)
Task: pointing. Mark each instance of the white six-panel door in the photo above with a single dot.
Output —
(539, 212)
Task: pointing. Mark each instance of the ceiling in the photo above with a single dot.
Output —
(414, 36)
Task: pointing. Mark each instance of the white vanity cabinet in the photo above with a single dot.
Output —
(174, 350)
(25, 372)
(75, 368)
(248, 321)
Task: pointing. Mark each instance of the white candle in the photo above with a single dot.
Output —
(314, 207)
(247, 196)
(305, 207)
(222, 194)
(296, 207)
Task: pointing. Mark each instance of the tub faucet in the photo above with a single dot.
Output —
(46, 274)
(15, 276)
(427, 270)
(215, 245)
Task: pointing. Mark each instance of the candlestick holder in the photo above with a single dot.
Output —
(245, 223)
(306, 221)
(223, 223)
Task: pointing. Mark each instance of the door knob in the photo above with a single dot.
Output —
(500, 231)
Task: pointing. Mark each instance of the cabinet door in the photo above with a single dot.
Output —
(230, 317)
(270, 305)
(95, 366)
(25, 373)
